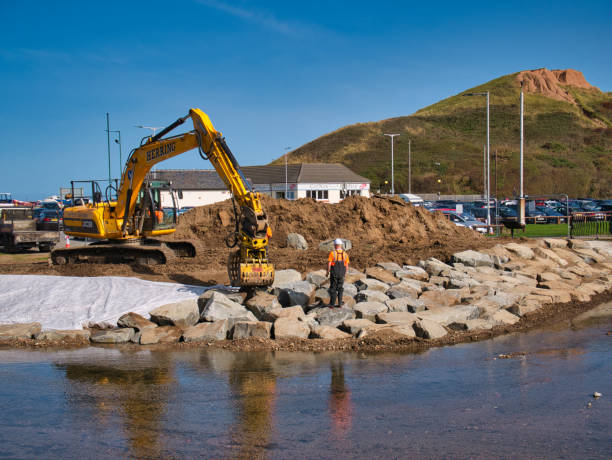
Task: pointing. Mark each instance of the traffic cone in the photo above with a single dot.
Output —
(67, 241)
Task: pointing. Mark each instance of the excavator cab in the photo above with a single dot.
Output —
(149, 205)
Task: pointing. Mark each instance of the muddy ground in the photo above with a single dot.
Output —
(381, 229)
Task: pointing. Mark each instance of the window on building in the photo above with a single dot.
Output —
(317, 194)
(346, 193)
(290, 195)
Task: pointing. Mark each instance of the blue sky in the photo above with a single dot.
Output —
(270, 74)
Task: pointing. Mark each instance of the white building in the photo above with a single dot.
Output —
(323, 182)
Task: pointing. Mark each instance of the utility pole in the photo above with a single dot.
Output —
(392, 191)
(286, 173)
(108, 146)
(409, 169)
(522, 191)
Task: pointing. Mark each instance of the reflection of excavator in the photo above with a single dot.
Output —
(127, 226)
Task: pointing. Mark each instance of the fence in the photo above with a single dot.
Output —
(591, 224)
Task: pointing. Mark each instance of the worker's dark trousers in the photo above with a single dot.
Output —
(336, 288)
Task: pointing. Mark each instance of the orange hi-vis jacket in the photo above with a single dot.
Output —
(338, 256)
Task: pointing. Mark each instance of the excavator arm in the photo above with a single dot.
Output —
(249, 265)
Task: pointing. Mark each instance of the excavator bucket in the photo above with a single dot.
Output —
(249, 273)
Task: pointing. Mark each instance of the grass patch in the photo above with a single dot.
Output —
(540, 230)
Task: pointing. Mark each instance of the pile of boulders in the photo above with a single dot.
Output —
(476, 290)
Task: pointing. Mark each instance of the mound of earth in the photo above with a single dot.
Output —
(380, 229)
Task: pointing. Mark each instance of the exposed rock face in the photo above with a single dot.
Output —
(122, 335)
(162, 334)
(206, 332)
(551, 83)
(181, 314)
(19, 331)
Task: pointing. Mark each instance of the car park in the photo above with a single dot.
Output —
(464, 220)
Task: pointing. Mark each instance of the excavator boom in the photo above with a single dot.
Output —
(128, 218)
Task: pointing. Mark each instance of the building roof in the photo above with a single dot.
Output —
(208, 179)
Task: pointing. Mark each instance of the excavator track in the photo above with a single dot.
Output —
(145, 252)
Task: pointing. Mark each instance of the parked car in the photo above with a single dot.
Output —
(415, 200)
(465, 220)
(49, 220)
(553, 217)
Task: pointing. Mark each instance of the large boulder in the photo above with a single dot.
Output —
(58, 334)
(408, 304)
(371, 296)
(428, 329)
(473, 258)
(318, 277)
(282, 278)
(219, 307)
(180, 314)
(434, 266)
(402, 290)
(162, 334)
(122, 335)
(391, 267)
(354, 326)
(448, 315)
(330, 333)
(134, 320)
(555, 242)
(521, 251)
(412, 272)
(350, 290)
(19, 331)
(297, 293)
(439, 298)
(328, 245)
(333, 316)
(369, 310)
(261, 304)
(546, 253)
(396, 318)
(296, 241)
(502, 317)
(353, 275)
(322, 296)
(246, 329)
(372, 285)
(295, 312)
(381, 274)
(231, 294)
(285, 328)
(206, 332)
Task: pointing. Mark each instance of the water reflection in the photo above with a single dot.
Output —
(340, 404)
(137, 396)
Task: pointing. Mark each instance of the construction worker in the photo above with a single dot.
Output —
(337, 265)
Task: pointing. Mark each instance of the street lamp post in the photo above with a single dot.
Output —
(118, 141)
(392, 191)
(108, 146)
(409, 169)
(488, 190)
(286, 174)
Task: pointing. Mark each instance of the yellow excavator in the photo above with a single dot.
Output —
(126, 227)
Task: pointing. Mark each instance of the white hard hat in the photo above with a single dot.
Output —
(338, 241)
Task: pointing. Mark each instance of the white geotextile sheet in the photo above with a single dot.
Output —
(70, 302)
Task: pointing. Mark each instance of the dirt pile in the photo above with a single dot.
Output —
(380, 228)
(550, 82)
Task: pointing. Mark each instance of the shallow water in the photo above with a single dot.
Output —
(453, 402)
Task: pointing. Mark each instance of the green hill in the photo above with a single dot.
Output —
(568, 140)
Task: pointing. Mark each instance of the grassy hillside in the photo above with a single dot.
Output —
(568, 144)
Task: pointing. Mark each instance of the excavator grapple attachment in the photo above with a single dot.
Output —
(249, 273)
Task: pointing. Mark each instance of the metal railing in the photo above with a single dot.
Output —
(598, 224)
